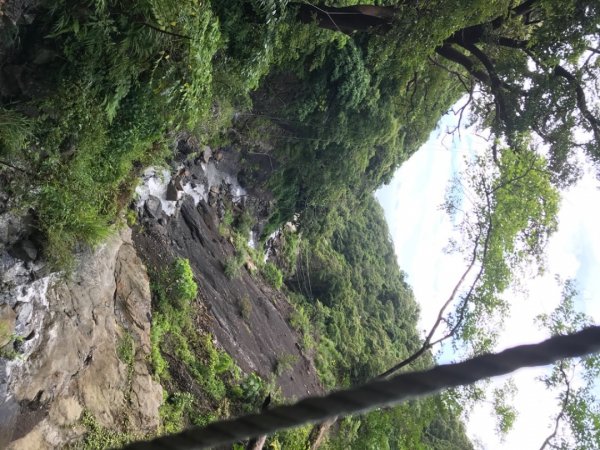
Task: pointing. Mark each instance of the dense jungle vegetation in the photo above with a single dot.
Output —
(92, 92)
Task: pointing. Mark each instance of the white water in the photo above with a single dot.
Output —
(155, 182)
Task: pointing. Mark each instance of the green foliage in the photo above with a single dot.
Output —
(244, 223)
(245, 307)
(173, 410)
(427, 424)
(15, 131)
(575, 381)
(352, 301)
(512, 213)
(504, 411)
(123, 75)
(173, 327)
(252, 388)
(228, 217)
(97, 437)
(296, 438)
(300, 321)
(233, 266)
(290, 250)
(184, 287)
(360, 307)
(126, 349)
(273, 275)
(215, 375)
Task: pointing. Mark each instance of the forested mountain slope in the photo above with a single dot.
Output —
(318, 104)
(352, 297)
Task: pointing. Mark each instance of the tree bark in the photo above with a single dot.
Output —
(348, 19)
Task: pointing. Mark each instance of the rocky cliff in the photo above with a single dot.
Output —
(70, 363)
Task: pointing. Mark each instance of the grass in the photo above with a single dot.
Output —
(126, 353)
(15, 131)
(284, 363)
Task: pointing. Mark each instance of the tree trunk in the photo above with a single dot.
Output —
(347, 19)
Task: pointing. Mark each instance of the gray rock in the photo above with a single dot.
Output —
(24, 325)
(172, 192)
(74, 365)
(187, 146)
(10, 230)
(153, 207)
(30, 249)
(206, 154)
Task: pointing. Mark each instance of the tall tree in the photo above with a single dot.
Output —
(529, 67)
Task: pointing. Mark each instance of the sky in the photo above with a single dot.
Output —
(420, 230)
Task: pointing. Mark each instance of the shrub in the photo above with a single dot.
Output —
(245, 307)
(233, 266)
(244, 223)
(300, 322)
(284, 363)
(184, 287)
(252, 388)
(172, 412)
(273, 275)
(98, 437)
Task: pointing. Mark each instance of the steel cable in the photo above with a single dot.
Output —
(379, 393)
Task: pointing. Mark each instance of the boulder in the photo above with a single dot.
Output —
(172, 192)
(206, 153)
(187, 146)
(153, 207)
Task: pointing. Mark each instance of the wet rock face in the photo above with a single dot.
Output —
(74, 364)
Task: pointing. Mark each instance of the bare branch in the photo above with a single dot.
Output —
(563, 408)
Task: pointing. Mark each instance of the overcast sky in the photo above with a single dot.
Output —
(421, 230)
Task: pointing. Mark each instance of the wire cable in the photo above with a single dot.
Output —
(380, 393)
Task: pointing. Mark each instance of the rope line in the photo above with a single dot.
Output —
(379, 393)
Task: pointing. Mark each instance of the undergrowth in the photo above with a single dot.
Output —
(97, 437)
(121, 78)
(222, 386)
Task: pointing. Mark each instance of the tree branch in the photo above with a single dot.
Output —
(450, 53)
(563, 409)
(581, 99)
(428, 343)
